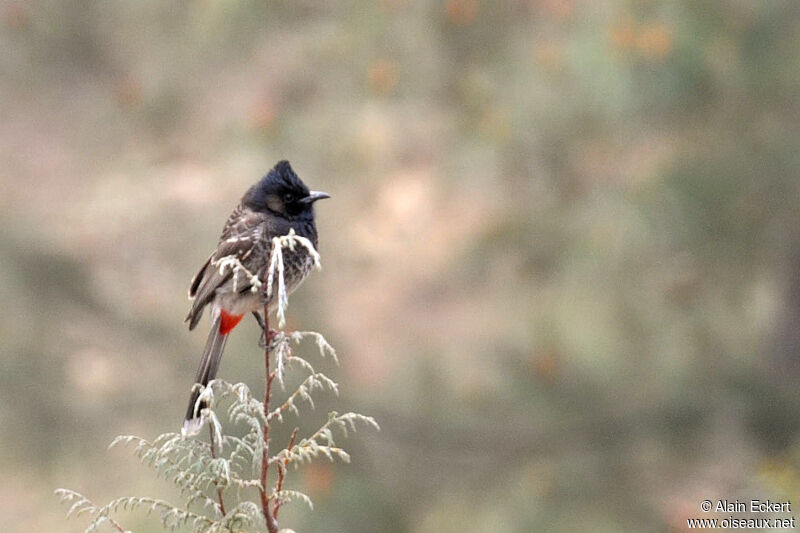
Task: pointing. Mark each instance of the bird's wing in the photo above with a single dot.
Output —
(240, 222)
(241, 234)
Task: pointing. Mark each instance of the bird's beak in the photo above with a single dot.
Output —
(313, 196)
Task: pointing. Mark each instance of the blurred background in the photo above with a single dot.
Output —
(561, 262)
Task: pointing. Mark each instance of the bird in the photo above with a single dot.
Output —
(278, 204)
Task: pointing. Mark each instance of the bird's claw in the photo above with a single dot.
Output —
(264, 340)
(263, 343)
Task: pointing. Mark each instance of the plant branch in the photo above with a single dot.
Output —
(116, 525)
(272, 524)
(214, 456)
(282, 471)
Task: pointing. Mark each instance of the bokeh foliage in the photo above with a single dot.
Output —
(562, 254)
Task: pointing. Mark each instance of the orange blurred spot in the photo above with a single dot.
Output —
(545, 365)
(15, 15)
(127, 91)
(654, 42)
(382, 76)
(549, 54)
(461, 12)
(558, 9)
(319, 477)
(262, 113)
(623, 35)
(676, 512)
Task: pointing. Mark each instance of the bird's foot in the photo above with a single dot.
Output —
(262, 341)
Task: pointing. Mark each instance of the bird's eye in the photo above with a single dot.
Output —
(288, 197)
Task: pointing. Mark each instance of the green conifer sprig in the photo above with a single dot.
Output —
(225, 482)
(198, 469)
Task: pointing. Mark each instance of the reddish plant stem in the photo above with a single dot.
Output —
(282, 472)
(116, 524)
(272, 523)
(214, 456)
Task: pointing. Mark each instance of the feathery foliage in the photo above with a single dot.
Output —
(225, 482)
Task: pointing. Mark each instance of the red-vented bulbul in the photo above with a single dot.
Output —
(278, 203)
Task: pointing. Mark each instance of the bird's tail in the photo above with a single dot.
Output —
(205, 373)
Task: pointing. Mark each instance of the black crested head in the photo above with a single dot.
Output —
(281, 180)
(282, 193)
